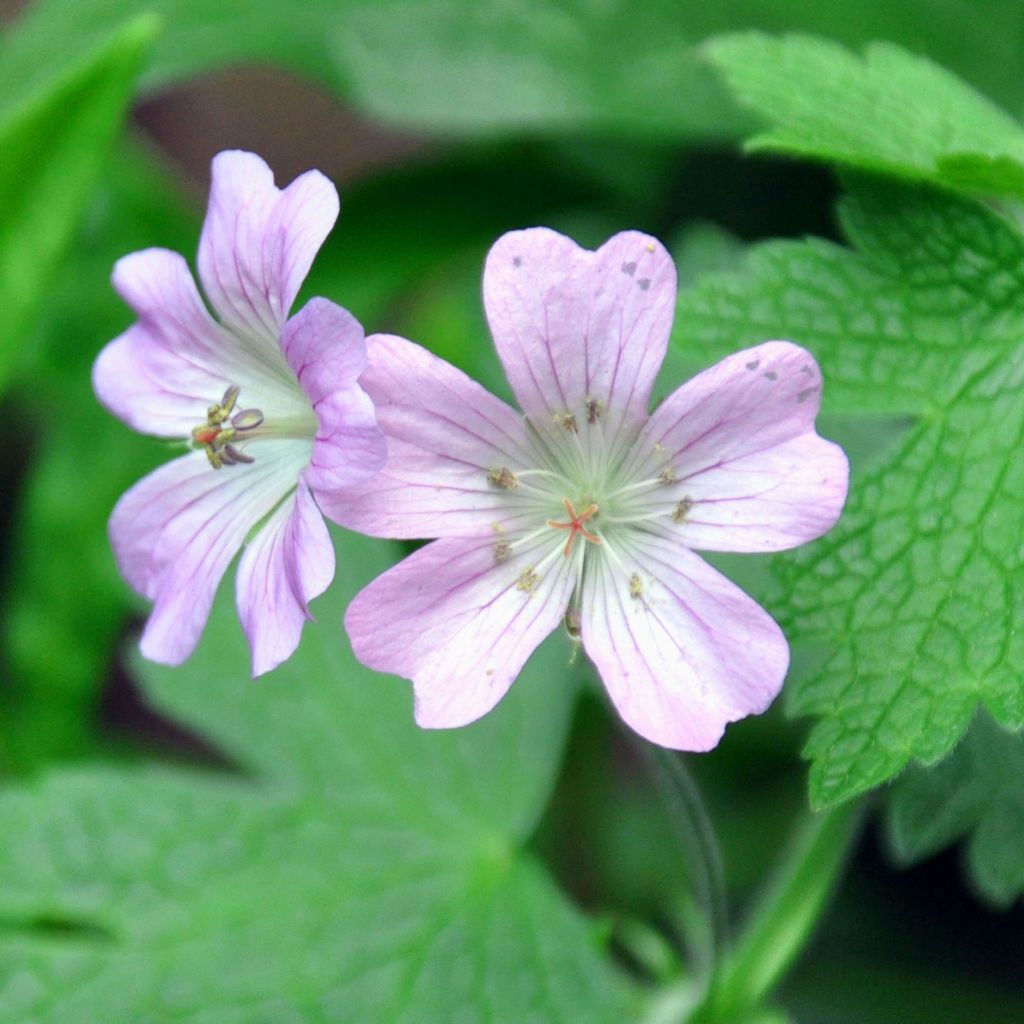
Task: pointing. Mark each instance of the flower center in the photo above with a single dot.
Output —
(217, 435)
(575, 525)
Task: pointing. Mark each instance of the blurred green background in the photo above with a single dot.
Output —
(443, 123)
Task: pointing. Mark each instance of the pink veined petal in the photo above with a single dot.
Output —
(570, 324)
(326, 349)
(175, 532)
(142, 382)
(458, 624)
(288, 563)
(258, 242)
(687, 654)
(752, 472)
(445, 434)
(164, 371)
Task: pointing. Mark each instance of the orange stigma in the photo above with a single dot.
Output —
(575, 525)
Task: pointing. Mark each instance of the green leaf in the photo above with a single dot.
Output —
(54, 136)
(889, 112)
(536, 65)
(65, 604)
(974, 795)
(908, 609)
(359, 869)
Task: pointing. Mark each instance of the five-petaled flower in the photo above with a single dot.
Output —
(270, 405)
(587, 509)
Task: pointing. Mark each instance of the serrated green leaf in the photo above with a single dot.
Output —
(54, 139)
(360, 870)
(908, 609)
(974, 795)
(889, 112)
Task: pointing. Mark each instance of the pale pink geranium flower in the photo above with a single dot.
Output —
(588, 508)
(269, 405)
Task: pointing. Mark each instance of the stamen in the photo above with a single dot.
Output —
(682, 509)
(575, 525)
(667, 476)
(502, 551)
(528, 580)
(231, 456)
(502, 478)
(636, 587)
(214, 436)
(247, 419)
(594, 407)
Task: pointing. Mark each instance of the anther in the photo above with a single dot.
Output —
(636, 587)
(503, 478)
(568, 422)
(527, 581)
(594, 407)
(682, 510)
(502, 551)
(247, 419)
(215, 435)
(667, 476)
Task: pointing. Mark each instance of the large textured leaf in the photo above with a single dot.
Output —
(889, 111)
(975, 795)
(360, 870)
(55, 130)
(910, 608)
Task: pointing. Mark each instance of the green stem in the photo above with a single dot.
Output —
(781, 925)
(697, 837)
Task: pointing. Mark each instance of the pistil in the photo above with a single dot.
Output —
(575, 525)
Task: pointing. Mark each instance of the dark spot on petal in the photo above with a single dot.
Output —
(753, 364)
(629, 268)
(806, 368)
(517, 261)
(644, 283)
(802, 396)
(771, 375)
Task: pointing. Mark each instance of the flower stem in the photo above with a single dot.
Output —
(689, 817)
(783, 922)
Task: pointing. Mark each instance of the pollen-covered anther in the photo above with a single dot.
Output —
(575, 525)
(567, 421)
(573, 624)
(682, 509)
(667, 476)
(528, 580)
(594, 407)
(503, 478)
(502, 551)
(215, 436)
(636, 587)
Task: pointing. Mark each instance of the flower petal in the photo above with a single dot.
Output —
(570, 324)
(288, 563)
(163, 372)
(458, 624)
(175, 532)
(326, 349)
(259, 242)
(752, 473)
(445, 434)
(681, 650)
(143, 383)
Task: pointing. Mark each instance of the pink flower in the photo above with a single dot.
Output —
(269, 405)
(587, 509)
